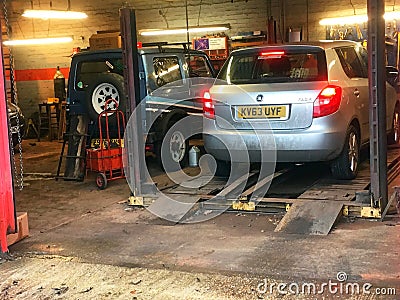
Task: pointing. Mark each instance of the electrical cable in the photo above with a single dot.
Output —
(198, 17)
(352, 5)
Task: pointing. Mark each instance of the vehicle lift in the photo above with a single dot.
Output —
(316, 210)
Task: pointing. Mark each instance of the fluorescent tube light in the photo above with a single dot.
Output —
(392, 15)
(357, 19)
(40, 41)
(344, 20)
(153, 32)
(53, 14)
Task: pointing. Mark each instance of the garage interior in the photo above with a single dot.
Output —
(68, 239)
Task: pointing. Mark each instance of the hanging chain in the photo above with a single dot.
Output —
(18, 176)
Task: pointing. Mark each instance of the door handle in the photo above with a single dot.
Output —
(356, 93)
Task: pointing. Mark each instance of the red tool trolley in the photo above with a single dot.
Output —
(106, 160)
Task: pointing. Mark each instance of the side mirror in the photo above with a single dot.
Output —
(391, 72)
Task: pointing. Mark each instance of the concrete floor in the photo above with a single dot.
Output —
(97, 228)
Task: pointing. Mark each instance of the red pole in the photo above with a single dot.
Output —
(7, 208)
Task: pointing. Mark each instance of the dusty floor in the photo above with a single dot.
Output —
(89, 244)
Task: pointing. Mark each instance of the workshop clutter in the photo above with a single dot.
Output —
(216, 48)
(108, 40)
(106, 156)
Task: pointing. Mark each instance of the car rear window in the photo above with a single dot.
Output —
(272, 66)
(88, 69)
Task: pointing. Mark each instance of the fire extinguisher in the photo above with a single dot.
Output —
(59, 85)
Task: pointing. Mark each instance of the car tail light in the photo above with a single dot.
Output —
(272, 54)
(328, 101)
(208, 106)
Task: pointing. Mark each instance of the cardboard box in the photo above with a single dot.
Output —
(101, 41)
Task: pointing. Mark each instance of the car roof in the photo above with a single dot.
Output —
(322, 44)
(329, 44)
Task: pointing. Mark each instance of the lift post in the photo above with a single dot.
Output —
(377, 96)
(7, 201)
(131, 78)
(135, 156)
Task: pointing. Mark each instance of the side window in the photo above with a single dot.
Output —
(350, 62)
(166, 70)
(364, 56)
(88, 69)
(198, 66)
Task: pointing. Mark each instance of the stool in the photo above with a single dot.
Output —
(49, 119)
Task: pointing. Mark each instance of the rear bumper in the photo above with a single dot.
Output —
(313, 144)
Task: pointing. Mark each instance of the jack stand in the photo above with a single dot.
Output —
(31, 125)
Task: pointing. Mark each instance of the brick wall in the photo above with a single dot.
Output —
(104, 15)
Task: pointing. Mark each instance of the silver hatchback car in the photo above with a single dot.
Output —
(312, 99)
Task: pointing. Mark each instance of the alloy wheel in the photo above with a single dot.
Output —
(353, 151)
(177, 146)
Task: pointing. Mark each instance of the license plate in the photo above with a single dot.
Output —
(262, 112)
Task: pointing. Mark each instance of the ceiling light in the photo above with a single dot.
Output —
(40, 41)
(344, 20)
(357, 19)
(152, 32)
(392, 15)
(53, 14)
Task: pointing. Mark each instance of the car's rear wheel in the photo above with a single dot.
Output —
(394, 136)
(104, 87)
(223, 168)
(173, 150)
(345, 166)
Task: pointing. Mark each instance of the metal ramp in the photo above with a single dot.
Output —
(310, 217)
(314, 211)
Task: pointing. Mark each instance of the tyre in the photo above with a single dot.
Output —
(394, 136)
(223, 168)
(173, 150)
(105, 86)
(101, 181)
(345, 166)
